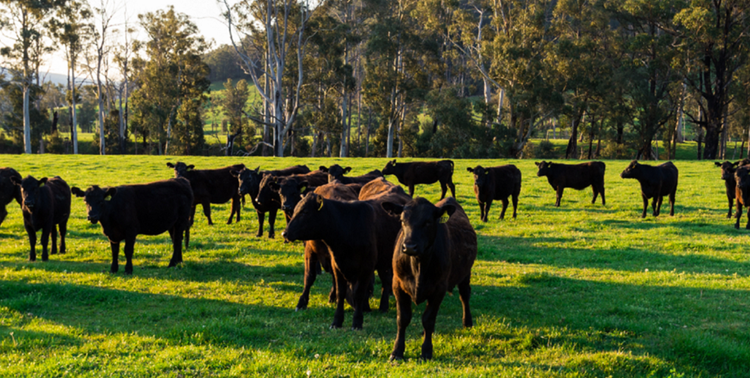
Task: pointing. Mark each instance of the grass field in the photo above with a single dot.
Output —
(577, 291)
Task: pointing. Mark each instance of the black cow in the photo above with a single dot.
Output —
(576, 176)
(435, 251)
(656, 182)
(496, 183)
(742, 193)
(336, 172)
(211, 186)
(45, 204)
(727, 174)
(147, 209)
(350, 230)
(8, 190)
(411, 174)
(289, 189)
(249, 183)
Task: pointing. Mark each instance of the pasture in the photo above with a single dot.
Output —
(577, 291)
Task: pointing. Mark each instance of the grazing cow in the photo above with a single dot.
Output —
(289, 189)
(431, 256)
(354, 238)
(8, 190)
(316, 251)
(576, 176)
(410, 174)
(45, 204)
(146, 209)
(336, 172)
(211, 186)
(496, 183)
(249, 183)
(656, 182)
(742, 193)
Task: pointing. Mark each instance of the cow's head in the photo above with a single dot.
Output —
(30, 193)
(544, 168)
(180, 169)
(742, 177)
(633, 170)
(727, 169)
(249, 181)
(480, 175)
(308, 220)
(97, 201)
(267, 190)
(290, 193)
(420, 220)
(335, 172)
(390, 168)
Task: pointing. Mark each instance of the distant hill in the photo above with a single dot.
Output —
(57, 78)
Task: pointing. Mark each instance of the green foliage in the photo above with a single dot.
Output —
(111, 133)
(12, 122)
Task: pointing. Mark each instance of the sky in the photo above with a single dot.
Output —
(206, 14)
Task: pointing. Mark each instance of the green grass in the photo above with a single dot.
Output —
(577, 291)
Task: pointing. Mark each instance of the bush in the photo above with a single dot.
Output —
(545, 150)
(613, 150)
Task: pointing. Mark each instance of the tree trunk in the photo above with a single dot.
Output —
(26, 119)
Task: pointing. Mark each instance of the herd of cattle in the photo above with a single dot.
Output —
(352, 227)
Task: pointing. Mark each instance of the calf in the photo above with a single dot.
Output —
(336, 172)
(316, 251)
(496, 183)
(211, 186)
(289, 189)
(577, 176)
(410, 174)
(146, 209)
(435, 251)
(727, 174)
(8, 190)
(742, 193)
(45, 204)
(249, 183)
(656, 182)
(354, 239)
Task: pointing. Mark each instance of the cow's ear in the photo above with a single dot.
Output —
(110, 193)
(470, 169)
(234, 173)
(302, 186)
(15, 180)
(76, 191)
(323, 168)
(347, 169)
(319, 200)
(718, 164)
(736, 163)
(257, 170)
(191, 166)
(42, 181)
(170, 165)
(444, 212)
(394, 161)
(393, 209)
(538, 164)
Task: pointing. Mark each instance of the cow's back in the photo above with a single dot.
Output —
(153, 208)
(214, 185)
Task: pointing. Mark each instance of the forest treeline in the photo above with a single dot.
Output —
(424, 78)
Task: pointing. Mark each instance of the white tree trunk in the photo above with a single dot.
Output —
(26, 119)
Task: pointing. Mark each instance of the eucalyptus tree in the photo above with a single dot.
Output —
(98, 60)
(234, 101)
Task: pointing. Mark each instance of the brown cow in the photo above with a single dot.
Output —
(411, 174)
(656, 182)
(431, 256)
(576, 176)
(496, 183)
(211, 186)
(8, 190)
(147, 209)
(45, 204)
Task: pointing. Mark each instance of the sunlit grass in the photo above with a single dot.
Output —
(577, 291)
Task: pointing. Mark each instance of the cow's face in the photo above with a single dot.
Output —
(306, 219)
(632, 171)
(336, 172)
(249, 181)
(727, 169)
(290, 193)
(480, 175)
(30, 193)
(419, 223)
(97, 201)
(544, 168)
(390, 168)
(180, 169)
(268, 185)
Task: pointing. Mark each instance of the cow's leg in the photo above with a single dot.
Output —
(645, 205)
(453, 188)
(63, 230)
(386, 282)
(115, 247)
(481, 211)
(671, 203)
(53, 230)
(464, 292)
(187, 236)
(559, 195)
(428, 322)
(176, 235)
(443, 189)
(360, 300)
(487, 206)
(129, 244)
(601, 190)
(403, 318)
(261, 218)
(596, 193)
(32, 241)
(505, 207)
(338, 315)
(3, 214)
(515, 205)
(45, 240)
(657, 203)
(411, 190)
(731, 202)
(192, 214)
(235, 210)
(271, 222)
(311, 273)
(207, 211)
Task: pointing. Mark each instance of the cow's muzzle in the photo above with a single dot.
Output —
(409, 249)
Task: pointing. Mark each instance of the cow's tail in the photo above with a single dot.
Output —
(602, 167)
(451, 163)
